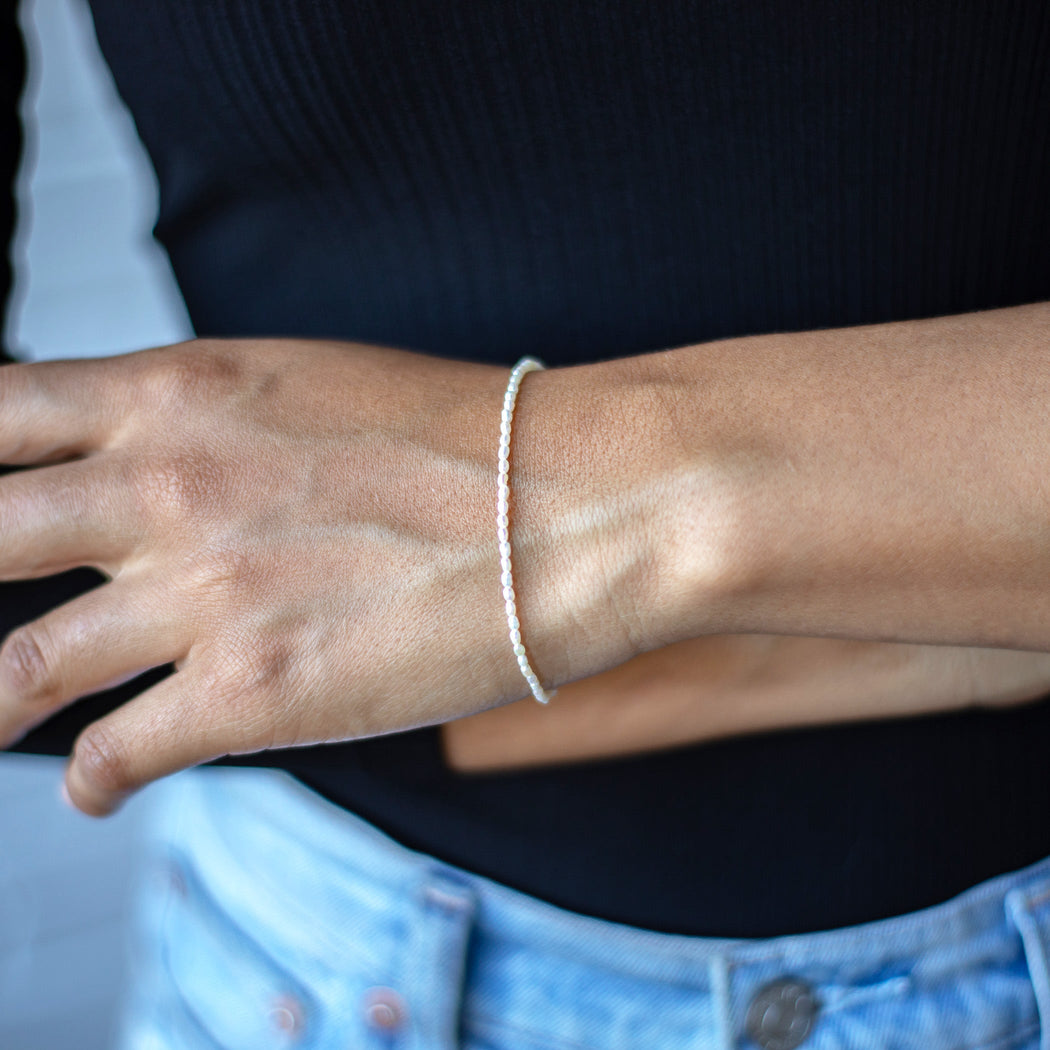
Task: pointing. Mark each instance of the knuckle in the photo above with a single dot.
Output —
(254, 677)
(182, 486)
(26, 665)
(224, 571)
(187, 371)
(103, 761)
(270, 665)
(247, 690)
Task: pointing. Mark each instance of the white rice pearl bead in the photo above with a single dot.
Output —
(525, 365)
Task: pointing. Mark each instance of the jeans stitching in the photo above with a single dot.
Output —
(486, 1024)
(1007, 1042)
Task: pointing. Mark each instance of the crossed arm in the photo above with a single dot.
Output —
(306, 528)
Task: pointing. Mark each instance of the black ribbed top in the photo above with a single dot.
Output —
(584, 179)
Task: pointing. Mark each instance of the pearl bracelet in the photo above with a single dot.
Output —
(526, 364)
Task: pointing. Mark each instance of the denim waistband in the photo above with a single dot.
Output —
(329, 894)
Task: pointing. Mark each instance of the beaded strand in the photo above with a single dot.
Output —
(526, 364)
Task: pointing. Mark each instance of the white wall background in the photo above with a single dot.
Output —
(90, 281)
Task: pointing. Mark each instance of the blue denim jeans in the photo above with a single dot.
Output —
(273, 919)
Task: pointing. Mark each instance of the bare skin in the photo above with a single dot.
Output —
(305, 528)
(726, 685)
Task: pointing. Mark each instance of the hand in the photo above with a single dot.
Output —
(306, 529)
(726, 685)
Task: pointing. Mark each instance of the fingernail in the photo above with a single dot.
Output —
(63, 793)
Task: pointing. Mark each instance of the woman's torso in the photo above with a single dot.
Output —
(586, 180)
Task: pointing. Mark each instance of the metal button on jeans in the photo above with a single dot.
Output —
(287, 1016)
(384, 1009)
(781, 1015)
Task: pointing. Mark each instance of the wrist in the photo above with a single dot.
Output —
(619, 528)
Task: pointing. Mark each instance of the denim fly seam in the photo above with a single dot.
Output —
(1029, 910)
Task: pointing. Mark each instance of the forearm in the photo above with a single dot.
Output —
(883, 482)
(719, 686)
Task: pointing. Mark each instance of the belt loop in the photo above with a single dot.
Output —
(719, 971)
(1019, 905)
(438, 959)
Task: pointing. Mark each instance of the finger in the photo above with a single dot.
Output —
(177, 723)
(52, 410)
(57, 517)
(93, 642)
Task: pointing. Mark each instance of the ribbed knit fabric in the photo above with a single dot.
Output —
(588, 178)
(584, 179)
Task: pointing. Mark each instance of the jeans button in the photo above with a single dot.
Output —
(287, 1016)
(781, 1014)
(384, 1009)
